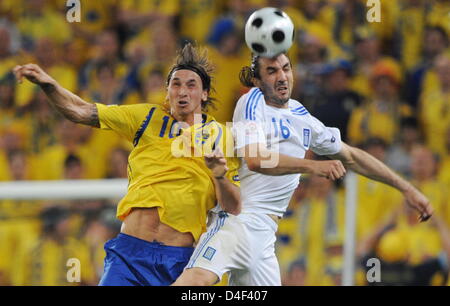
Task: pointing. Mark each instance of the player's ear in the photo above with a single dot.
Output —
(204, 96)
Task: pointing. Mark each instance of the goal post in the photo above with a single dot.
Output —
(64, 189)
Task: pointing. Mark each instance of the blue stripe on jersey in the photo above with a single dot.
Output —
(219, 223)
(247, 106)
(299, 111)
(205, 124)
(216, 143)
(143, 127)
(254, 105)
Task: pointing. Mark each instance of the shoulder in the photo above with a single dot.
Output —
(131, 112)
(130, 107)
(297, 108)
(248, 104)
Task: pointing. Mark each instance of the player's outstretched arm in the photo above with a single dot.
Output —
(365, 164)
(261, 160)
(68, 104)
(228, 194)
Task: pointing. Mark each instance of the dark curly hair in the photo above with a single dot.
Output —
(196, 60)
(249, 72)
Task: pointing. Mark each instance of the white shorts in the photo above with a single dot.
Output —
(243, 246)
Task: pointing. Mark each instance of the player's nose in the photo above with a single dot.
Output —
(282, 76)
(182, 92)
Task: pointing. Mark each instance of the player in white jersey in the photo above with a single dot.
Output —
(273, 133)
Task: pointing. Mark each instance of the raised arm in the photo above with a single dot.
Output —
(68, 104)
(228, 194)
(365, 164)
(261, 160)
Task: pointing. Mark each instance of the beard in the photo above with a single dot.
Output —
(270, 95)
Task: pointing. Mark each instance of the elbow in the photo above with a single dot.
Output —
(233, 205)
(253, 164)
(236, 209)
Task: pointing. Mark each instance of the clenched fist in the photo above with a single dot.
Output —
(331, 169)
(217, 163)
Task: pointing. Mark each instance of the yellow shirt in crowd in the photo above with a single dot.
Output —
(46, 263)
(370, 120)
(227, 83)
(197, 16)
(435, 117)
(167, 8)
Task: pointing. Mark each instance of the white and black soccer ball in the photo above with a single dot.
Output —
(269, 32)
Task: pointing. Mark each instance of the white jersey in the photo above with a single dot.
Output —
(289, 131)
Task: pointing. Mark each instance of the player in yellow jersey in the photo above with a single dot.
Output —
(165, 209)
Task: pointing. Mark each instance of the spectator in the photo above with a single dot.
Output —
(336, 95)
(136, 14)
(420, 80)
(229, 58)
(307, 230)
(381, 115)
(399, 154)
(39, 20)
(107, 51)
(7, 107)
(101, 227)
(409, 252)
(106, 87)
(444, 170)
(312, 57)
(45, 262)
(296, 275)
(435, 107)
(349, 15)
(154, 87)
(409, 32)
(8, 47)
(367, 54)
(73, 169)
(47, 54)
(19, 219)
(196, 18)
(95, 17)
(424, 170)
(118, 161)
(375, 201)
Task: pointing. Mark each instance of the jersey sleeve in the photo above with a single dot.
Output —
(324, 140)
(122, 119)
(227, 145)
(232, 174)
(248, 119)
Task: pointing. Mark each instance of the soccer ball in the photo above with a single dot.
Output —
(269, 32)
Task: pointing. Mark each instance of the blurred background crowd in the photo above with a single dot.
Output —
(386, 86)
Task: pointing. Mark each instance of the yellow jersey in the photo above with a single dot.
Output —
(181, 187)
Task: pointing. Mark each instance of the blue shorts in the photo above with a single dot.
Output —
(131, 261)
